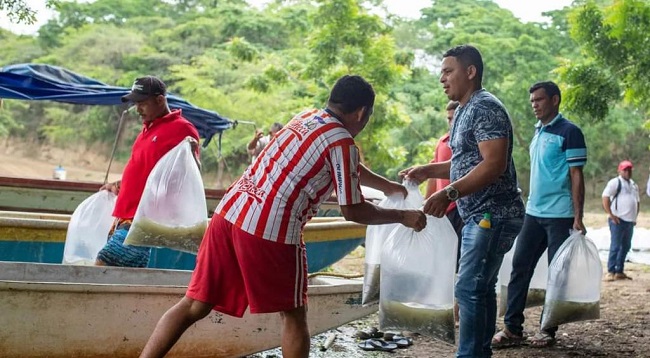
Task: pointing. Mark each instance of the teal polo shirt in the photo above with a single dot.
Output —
(555, 148)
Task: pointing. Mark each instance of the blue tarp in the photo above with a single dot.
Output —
(37, 82)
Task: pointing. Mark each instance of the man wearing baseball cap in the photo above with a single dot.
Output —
(162, 130)
(621, 203)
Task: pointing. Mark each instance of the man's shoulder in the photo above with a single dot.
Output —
(320, 122)
(568, 126)
(487, 101)
(180, 123)
(486, 104)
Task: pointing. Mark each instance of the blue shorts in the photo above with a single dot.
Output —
(115, 253)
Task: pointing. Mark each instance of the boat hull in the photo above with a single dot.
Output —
(63, 197)
(92, 314)
(32, 237)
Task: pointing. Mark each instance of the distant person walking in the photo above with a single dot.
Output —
(621, 202)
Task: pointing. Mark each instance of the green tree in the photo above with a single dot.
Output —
(347, 39)
(19, 12)
(615, 44)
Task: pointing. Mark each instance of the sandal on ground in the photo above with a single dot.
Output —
(621, 276)
(541, 340)
(505, 339)
(377, 345)
(401, 341)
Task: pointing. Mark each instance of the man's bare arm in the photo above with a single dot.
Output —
(578, 197)
(495, 162)
(376, 181)
(370, 214)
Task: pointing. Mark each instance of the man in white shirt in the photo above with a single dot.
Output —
(260, 141)
(621, 203)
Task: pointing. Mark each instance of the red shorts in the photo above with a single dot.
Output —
(235, 269)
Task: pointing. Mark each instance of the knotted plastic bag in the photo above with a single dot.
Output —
(537, 287)
(88, 229)
(376, 235)
(417, 280)
(574, 277)
(172, 212)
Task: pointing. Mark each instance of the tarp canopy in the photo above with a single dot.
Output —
(37, 82)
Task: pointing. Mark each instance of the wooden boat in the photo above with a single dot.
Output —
(40, 237)
(63, 197)
(61, 311)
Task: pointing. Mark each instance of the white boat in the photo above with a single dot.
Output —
(40, 237)
(50, 310)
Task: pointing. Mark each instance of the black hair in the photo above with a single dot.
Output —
(276, 126)
(549, 87)
(352, 92)
(468, 55)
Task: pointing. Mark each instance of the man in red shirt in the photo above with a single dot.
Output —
(443, 154)
(162, 130)
(253, 254)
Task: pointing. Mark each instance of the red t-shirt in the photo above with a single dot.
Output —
(155, 140)
(443, 154)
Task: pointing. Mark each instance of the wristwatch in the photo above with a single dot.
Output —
(452, 193)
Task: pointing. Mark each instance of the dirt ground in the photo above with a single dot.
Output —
(622, 331)
(28, 160)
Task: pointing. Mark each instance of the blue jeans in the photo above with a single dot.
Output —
(536, 235)
(481, 255)
(621, 244)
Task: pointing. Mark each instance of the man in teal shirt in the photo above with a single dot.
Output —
(555, 205)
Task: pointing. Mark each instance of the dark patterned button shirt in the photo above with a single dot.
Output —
(484, 118)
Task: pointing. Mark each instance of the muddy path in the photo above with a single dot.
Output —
(622, 331)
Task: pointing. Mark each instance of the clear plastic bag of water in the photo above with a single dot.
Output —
(172, 212)
(417, 280)
(376, 235)
(537, 287)
(574, 278)
(88, 229)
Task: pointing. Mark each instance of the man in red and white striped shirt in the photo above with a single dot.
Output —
(253, 253)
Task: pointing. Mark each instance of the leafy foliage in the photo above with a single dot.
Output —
(260, 66)
(615, 41)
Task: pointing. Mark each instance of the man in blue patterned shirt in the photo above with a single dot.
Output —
(484, 186)
(555, 205)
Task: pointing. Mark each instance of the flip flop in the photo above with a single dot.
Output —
(402, 342)
(377, 345)
(504, 340)
(541, 340)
